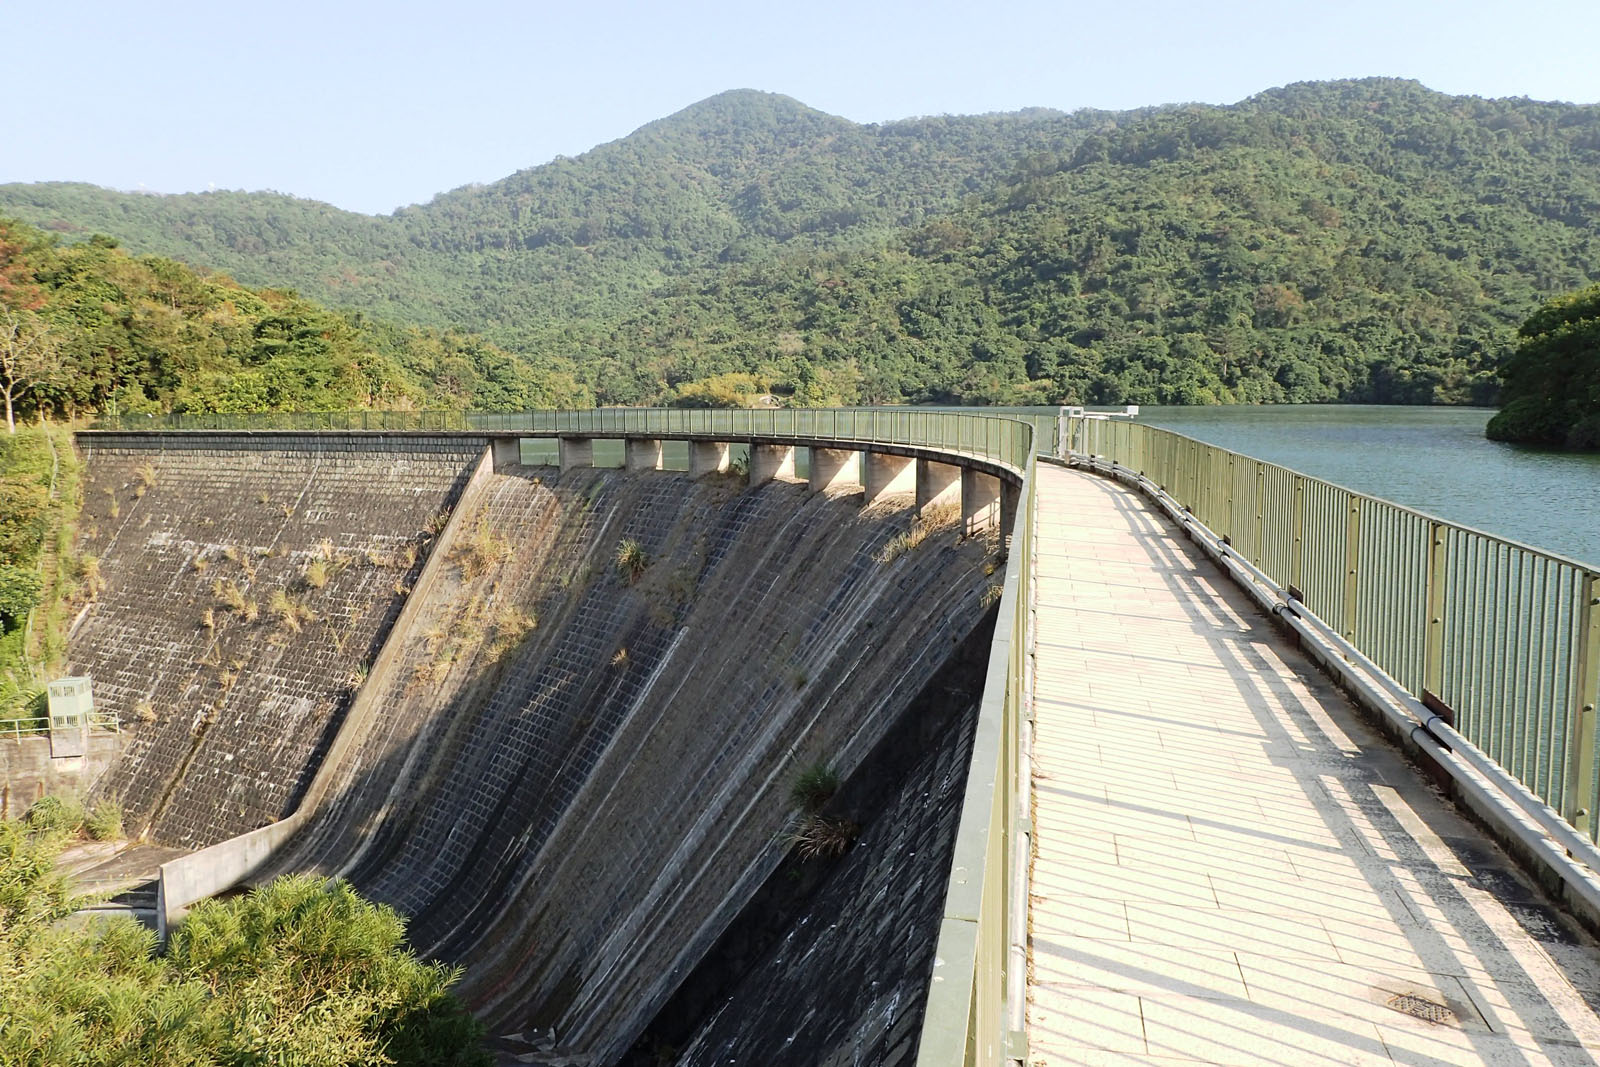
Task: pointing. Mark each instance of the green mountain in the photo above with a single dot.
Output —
(1362, 240)
(733, 178)
(85, 327)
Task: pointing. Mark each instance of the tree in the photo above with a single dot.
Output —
(301, 971)
(1552, 381)
(30, 357)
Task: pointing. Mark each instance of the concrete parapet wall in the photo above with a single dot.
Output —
(216, 868)
(226, 703)
(28, 771)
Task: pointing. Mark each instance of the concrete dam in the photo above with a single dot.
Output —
(554, 715)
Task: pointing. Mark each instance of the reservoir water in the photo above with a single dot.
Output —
(1433, 459)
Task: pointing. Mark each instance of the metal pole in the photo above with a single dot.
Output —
(1580, 745)
(1438, 573)
(1261, 512)
(1298, 533)
(1352, 564)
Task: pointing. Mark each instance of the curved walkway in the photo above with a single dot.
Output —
(1231, 866)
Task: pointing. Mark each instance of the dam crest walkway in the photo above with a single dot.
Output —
(1231, 865)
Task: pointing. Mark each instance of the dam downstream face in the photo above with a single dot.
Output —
(227, 704)
(570, 767)
(575, 803)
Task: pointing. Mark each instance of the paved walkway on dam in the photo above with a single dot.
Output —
(1232, 867)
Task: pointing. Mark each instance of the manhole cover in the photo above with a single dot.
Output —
(1421, 1008)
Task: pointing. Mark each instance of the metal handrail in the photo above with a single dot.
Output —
(1001, 436)
(974, 1013)
(1504, 637)
(39, 725)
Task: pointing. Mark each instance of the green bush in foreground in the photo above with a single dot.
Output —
(300, 972)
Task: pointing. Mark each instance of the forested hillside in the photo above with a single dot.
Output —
(1363, 241)
(86, 327)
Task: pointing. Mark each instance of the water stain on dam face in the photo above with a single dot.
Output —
(576, 773)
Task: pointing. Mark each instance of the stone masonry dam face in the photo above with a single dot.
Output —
(575, 776)
(230, 705)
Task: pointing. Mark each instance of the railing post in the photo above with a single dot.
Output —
(1298, 534)
(1433, 655)
(1261, 513)
(1352, 565)
(1230, 484)
(1580, 738)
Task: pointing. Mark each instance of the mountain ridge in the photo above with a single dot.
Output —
(686, 249)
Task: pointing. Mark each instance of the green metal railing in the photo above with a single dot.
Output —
(975, 1004)
(1003, 438)
(390, 421)
(39, 726)
(1504, 635)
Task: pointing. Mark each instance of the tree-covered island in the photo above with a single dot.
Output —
(1552, 381)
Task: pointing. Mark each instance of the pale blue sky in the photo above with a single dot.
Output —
(371, 106)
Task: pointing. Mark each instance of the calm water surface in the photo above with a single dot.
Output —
(1432, 459)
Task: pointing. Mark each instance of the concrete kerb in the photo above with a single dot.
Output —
(1492, 805)
(185, 881)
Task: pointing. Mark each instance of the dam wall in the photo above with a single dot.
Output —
(829, 963)
(244, 584)
(581, 773)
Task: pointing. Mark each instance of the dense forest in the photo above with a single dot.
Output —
(86, 327)
(1552, 380)
(1358, 241)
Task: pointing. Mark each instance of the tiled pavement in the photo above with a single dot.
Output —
(1231, 866)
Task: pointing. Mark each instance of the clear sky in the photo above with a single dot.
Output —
(372, 106)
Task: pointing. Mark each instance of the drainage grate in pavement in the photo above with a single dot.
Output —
(1421, 1008)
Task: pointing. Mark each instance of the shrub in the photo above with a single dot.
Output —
(290, 613)
(814, 786)
(632, 560)
(511, 628)
(300, 972)
(104, 821)
(480, 553)
(821, 837)
(228, 594)
(55, 815)
(89, 574)
(19, 592)
(316, 574)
